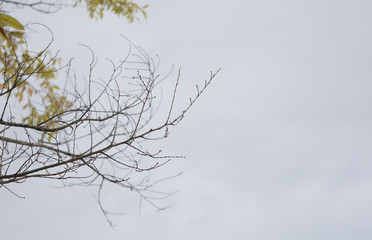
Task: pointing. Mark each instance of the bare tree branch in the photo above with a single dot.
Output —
(99, 138)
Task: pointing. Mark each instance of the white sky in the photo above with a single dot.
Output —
(279, 147)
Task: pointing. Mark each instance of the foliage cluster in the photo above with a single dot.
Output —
(121, 8)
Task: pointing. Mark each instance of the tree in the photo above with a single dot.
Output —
(96, 8)
(86, 136)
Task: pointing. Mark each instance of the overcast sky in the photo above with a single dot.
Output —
(279, 147)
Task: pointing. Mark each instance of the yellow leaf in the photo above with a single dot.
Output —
(11, 21)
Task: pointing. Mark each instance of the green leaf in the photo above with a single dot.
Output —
(11, 21)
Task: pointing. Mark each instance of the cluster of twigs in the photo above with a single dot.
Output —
(42, 6)
(99, 138)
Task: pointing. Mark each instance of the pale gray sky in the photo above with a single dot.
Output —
(279, 147)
